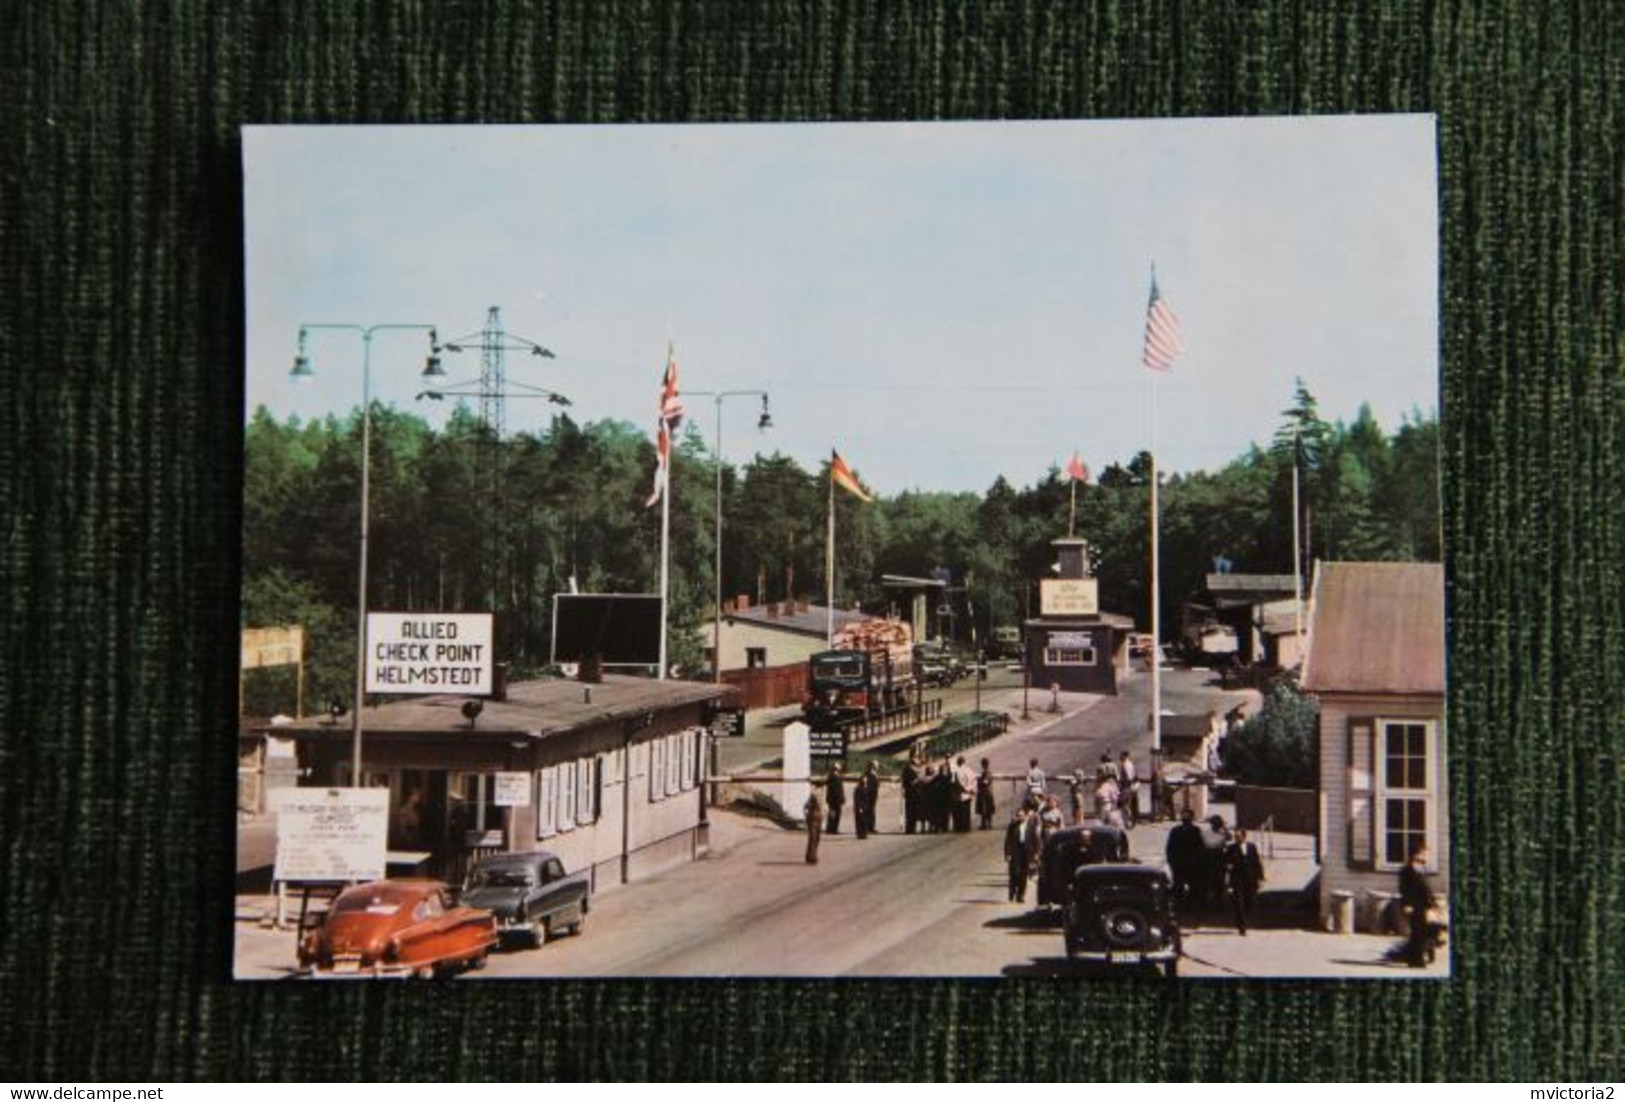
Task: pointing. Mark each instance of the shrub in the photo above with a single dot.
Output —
(1276, 747)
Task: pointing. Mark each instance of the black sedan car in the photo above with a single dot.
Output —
(1071, 848)
(529, 893)
(1122, 915)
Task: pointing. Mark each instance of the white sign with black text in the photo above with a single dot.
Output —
(330, 833)
(429, 652)
(512, 790)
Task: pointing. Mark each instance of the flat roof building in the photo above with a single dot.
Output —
(606, 775)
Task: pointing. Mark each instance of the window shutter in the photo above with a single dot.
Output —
(1362, 819)
(585, 788)
(567, 796)
(657, 769)
(688, 760)
(598, 787)
(547, 788)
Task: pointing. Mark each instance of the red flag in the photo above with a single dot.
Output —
(1078, 469)
(1163, 340)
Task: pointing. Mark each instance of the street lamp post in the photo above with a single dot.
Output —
(764, 423)
(301, 371)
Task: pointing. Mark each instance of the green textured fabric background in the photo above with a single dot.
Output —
(121, 335)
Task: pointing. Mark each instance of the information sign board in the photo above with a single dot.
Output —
(429, 652)
(512, 790)
(1068, 597)
(330, 833)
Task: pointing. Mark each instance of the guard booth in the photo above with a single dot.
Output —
(1071, 643)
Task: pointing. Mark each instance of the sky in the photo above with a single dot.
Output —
(941, 302)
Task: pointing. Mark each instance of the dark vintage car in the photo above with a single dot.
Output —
(529, 893)
(1122, 915)
(396, 928)
(1071, 848)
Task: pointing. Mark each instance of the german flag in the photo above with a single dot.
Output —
(841, 475)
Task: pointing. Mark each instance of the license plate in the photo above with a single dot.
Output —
(1123, 958)
(346, 964)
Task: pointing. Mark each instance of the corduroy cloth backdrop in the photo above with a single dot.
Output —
(121, 332)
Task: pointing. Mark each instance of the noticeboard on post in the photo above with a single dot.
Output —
(338, 834)
(429, 652)
(511, 790)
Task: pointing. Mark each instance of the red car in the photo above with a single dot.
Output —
(397, 928)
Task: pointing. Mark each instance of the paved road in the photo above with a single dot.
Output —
(890, 905)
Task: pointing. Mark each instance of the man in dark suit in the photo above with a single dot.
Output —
(1021, 843)
(1243, 873)
(911, 795)
(1185, 852)
(834, 797)
(865, 796)
(1416, 896)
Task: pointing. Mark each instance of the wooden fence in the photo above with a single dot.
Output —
(769, 686)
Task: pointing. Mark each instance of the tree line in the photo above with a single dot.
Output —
(573, 512)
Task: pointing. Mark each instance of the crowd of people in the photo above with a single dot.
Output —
(1210, 865)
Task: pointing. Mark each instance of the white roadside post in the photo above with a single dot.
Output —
(798, 765)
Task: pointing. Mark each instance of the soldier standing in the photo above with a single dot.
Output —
(911, 795)
(865, 796)
(835, 797)
(813, 810)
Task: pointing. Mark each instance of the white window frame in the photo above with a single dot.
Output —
(1381, 792)
(547, 802)
(674, 764)
(1058, 656)
(586, 787)
(689, 755)
(567, 796)
(657, 769)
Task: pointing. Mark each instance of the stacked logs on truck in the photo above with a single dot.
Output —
(890, 638)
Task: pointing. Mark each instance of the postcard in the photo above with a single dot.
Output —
(945, 549)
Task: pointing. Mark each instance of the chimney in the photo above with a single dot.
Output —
(591, 669)
(773, 610)
(742, 602)
(728, 607)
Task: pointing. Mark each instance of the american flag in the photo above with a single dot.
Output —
(1163, 341)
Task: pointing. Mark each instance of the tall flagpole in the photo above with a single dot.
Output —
(829, 561)
(665, 553)
(1072, 510)
(1297, 549)
(1156, 593)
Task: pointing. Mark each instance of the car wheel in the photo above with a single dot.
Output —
(538, 930)
(1171, 968)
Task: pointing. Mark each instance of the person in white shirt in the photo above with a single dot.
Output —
(1127, 783)
(1035, 779)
